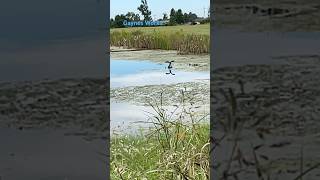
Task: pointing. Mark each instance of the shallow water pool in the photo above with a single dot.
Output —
(126, 73)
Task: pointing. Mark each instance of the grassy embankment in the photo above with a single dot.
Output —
(186, 39)
(171, 149)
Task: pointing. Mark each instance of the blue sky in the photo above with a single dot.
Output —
(158, 7)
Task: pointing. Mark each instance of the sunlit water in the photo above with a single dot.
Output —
(129, 118)
(126, 73)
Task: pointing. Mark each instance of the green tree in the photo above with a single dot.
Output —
(131, 16)
(179, 17)
(189, 17)
(172, 20)
(144, 9)
(192, 17)
(118, 21)
(186, 18)
(111, 23)
(165, 16)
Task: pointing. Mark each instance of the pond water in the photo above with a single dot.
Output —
(49, 155)
(83, 58)
(233, 48)
(26, 24)
(37, 43)
(127, 117)
(126, 73)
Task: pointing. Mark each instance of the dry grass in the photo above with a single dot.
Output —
(184, 43)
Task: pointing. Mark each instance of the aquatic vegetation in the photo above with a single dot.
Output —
(184, 43)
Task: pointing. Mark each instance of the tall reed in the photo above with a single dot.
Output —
(184, 43)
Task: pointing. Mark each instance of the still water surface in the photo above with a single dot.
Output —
(126, 73)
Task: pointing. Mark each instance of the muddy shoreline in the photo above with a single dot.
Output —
(171, 94)
(182, 62)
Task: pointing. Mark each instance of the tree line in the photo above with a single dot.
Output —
(176, 17)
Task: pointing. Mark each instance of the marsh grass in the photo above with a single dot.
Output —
(184, 43)
(175, 147)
